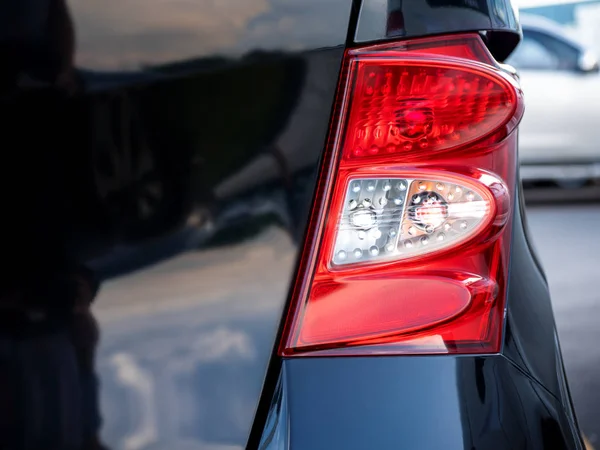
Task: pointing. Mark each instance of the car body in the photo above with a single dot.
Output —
(557, 138)
(170, 161)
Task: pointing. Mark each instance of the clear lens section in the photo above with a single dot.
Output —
(368, 228)
(396, 218)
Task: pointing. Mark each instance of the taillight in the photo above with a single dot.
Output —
(408, 246)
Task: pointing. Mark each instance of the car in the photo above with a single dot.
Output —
(270, 225)
(560, 78)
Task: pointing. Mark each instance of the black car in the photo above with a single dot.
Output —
(269, 224)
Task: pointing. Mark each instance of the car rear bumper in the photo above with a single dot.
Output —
(448, 402)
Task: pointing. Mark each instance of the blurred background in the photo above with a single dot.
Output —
(560, 167)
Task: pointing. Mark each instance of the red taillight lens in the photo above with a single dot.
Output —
(408, 248)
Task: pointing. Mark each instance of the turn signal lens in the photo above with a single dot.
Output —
(408, 247)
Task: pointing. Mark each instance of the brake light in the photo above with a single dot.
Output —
(408, 247)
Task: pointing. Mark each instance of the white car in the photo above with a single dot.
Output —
(560, 132)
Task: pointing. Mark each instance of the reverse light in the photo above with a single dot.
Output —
(407, 251)
(399, 218)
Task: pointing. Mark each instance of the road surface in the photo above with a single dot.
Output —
(568, 241)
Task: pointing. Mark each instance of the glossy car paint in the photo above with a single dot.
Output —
(174, 154)
(171, 148)
(453, 403)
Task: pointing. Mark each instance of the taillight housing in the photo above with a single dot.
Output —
(408, 244)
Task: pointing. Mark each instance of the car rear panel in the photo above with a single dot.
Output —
(178, 164)
(420, 402)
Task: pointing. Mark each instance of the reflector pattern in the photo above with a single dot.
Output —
(396, 218)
